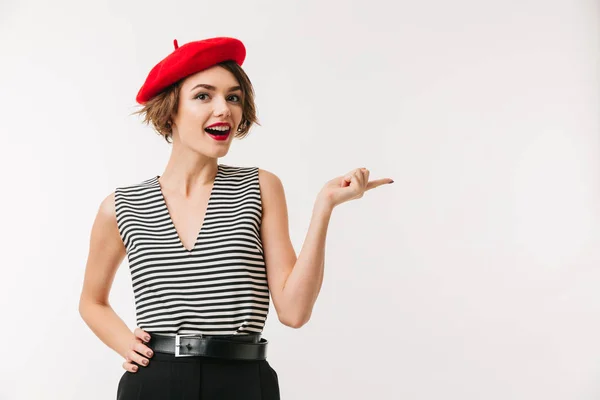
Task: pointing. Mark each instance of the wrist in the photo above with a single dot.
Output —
(125, 345)
(323, 206)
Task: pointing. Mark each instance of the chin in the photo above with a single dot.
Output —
(213, 151)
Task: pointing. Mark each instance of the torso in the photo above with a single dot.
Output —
(187, 215)
(212, 278)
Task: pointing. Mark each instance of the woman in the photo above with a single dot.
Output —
(206, 242)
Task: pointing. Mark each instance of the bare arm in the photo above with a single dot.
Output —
(106, 253)
(303, 284)
(295, 282)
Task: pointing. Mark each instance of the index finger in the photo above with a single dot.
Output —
(378, 182)
(141, 334)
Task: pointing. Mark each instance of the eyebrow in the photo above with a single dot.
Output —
(210, 87)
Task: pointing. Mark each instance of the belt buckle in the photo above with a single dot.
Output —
(178, 344)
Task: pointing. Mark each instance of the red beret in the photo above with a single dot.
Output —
(187, 60)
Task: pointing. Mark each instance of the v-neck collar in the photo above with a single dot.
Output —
(166, 209)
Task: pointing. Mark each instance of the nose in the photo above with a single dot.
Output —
(221, 108)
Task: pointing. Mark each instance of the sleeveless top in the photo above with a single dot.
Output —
(217, 288)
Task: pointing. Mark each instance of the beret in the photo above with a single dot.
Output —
(187, 60)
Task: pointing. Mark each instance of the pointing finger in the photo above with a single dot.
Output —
(378, 182)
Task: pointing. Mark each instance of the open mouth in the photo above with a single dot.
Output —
(218, 131)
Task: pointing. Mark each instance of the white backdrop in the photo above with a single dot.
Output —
(474, 276)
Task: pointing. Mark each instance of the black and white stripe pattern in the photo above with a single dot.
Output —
(218, 287)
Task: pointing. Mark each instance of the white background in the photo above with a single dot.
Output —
(476, 275)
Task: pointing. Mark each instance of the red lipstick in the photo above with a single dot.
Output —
(218, 124)
(218, 131)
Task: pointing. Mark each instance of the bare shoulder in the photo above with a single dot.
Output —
(107, 207)
(269, 181)
(105, 232)
(271, 191)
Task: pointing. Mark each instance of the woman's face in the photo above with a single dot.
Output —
(209, 97)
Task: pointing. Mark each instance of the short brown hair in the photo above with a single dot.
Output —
(160, 109)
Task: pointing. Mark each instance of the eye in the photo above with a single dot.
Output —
(199, 95)
(237, 98)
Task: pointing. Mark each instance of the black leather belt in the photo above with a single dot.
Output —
(239, 347)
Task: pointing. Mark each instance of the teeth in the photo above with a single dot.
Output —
(219, 128)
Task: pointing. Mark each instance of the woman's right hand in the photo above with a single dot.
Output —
(137, 353)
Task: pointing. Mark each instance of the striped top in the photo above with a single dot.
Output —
(217, 288)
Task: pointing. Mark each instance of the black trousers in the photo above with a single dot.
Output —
(199, 378)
